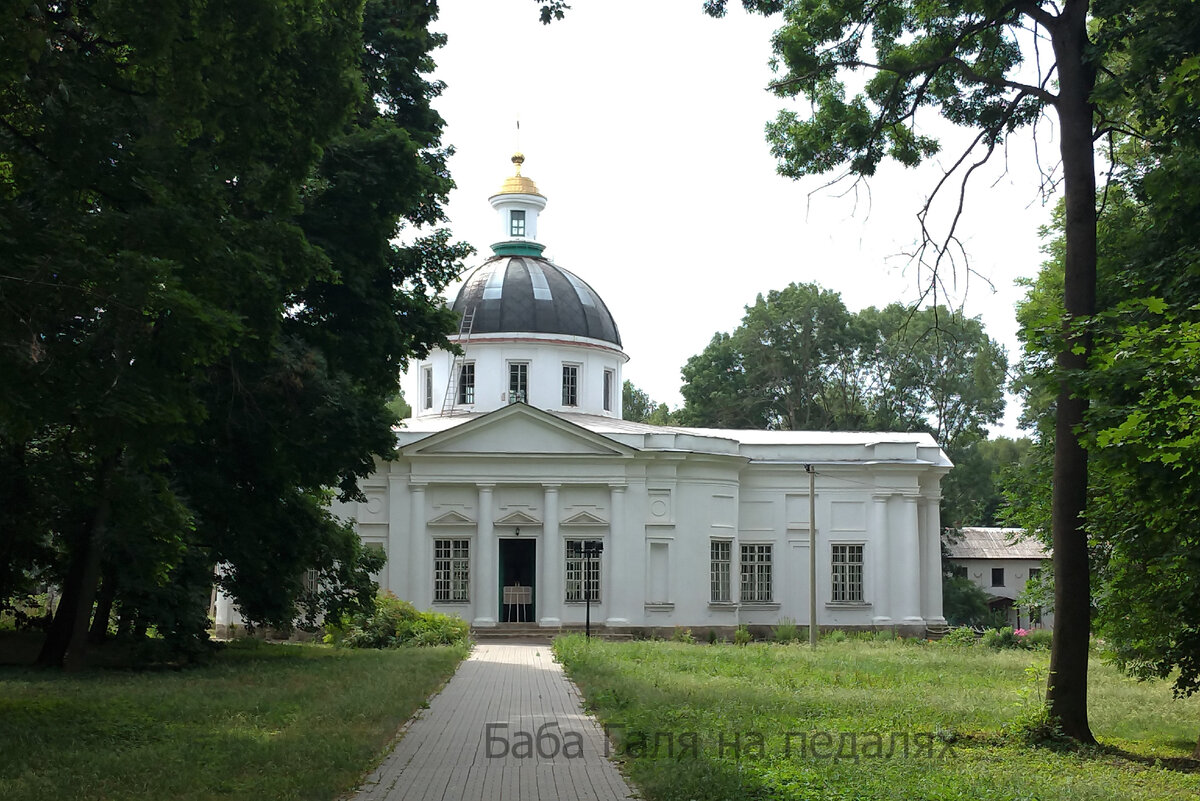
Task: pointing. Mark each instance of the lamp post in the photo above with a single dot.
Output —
(591, 550)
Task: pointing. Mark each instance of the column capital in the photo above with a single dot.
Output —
(485, 487)
(417, 486)
(618, 487)
(551, 487)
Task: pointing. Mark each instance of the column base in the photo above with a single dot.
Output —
(484, 622)
(550, 623)
(881, 621)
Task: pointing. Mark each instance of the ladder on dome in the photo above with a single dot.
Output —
(450, 399)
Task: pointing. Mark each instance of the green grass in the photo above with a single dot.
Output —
(262, 721)
(968, 696)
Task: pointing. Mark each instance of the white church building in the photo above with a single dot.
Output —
(516, 462)
(519, 493)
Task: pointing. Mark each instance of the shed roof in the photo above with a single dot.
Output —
(994, 543)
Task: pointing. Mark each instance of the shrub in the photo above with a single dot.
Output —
(712, 637)
(394, 623)
(742, 635)
(683, 635)
(786, 631)
(885, 635)
(960, 636)
(837, 635)
(1008, 637)
(1038, 639)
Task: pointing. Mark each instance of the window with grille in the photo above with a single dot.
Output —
(517, 223)
(570, 385)
(721, 571)
(997, 577)
(466, 383)
(609, 380)
(847, 573)
(451, 570)
(427, 378)
(756, 573)
(577, 565)
(518, 382)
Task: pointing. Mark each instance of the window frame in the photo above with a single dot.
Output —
(756, 563)
(574, 565)
(513, 219)
(427, 389)
(847, 575)
(451, 570)
(465, 390)
(570, 388)
(521, 369)
(610, 381)
(998, 571)
(718, 566)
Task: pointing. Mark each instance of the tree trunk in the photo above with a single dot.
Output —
(1196, 750)
(1066, 691)
(66, 643)
(104, 604)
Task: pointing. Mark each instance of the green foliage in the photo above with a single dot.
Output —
(785, 631)
(959, 636)
(637, 406)
(681, 634)
(973, 492)
(801, 360)
(395, 623)
(274, 721)
(205, 310)
(741, 635)
(835, 636)
(1008, 638)
(963, 695)
(964, 602)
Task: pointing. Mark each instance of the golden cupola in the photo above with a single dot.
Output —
(518, 203)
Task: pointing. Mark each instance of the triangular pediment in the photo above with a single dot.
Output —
(583, 519)
(518, 430)
(518, 518)
(451, 518)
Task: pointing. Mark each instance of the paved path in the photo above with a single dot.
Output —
(444, 755)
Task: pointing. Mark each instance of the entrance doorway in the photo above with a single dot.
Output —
(518, 566)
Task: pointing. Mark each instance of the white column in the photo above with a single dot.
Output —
(393, 573)
(224, 615)
(905, 553)
(931, 553)
(486, 582)
(418, 565)
(550, 590)
(620, 560)
(881, 561)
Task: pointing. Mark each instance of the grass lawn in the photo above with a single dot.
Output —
(966, 696)
(262, 721)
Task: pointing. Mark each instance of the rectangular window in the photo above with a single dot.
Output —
(427, 390)
(570, 393)
(451, 570)
(1034, 573)
(577, 565)
(959, 571)
(997, 577)
(609, 379)
(847, 574)
(756, 573)
(660, 574)
(720, 571)
(466, 383)
(517, 223)
(518, 382)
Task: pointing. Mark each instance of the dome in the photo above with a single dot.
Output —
(531, 295)
(518, 184)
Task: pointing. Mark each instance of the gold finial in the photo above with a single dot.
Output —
(518, 184)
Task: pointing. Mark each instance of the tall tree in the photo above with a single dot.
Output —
(982, 65)
(176, 335)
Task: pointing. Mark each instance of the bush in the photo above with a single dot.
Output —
(1008, 637)
(683, 635)
(837, 635)
(960, 637)
(395, 623)
(785, 631)
(712, 637)
(742, 635)
(1038, 639)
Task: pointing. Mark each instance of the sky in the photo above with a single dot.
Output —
(642, 122)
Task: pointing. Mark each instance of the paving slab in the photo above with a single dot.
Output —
(478, 740)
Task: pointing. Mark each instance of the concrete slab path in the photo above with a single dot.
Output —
(449, 753)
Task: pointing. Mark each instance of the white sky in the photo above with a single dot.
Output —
(642, 121)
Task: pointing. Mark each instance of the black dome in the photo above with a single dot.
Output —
(526, 294)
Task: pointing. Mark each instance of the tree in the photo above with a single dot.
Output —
(982, 65)
(801, 360)
(197, 349)
(973, 492)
